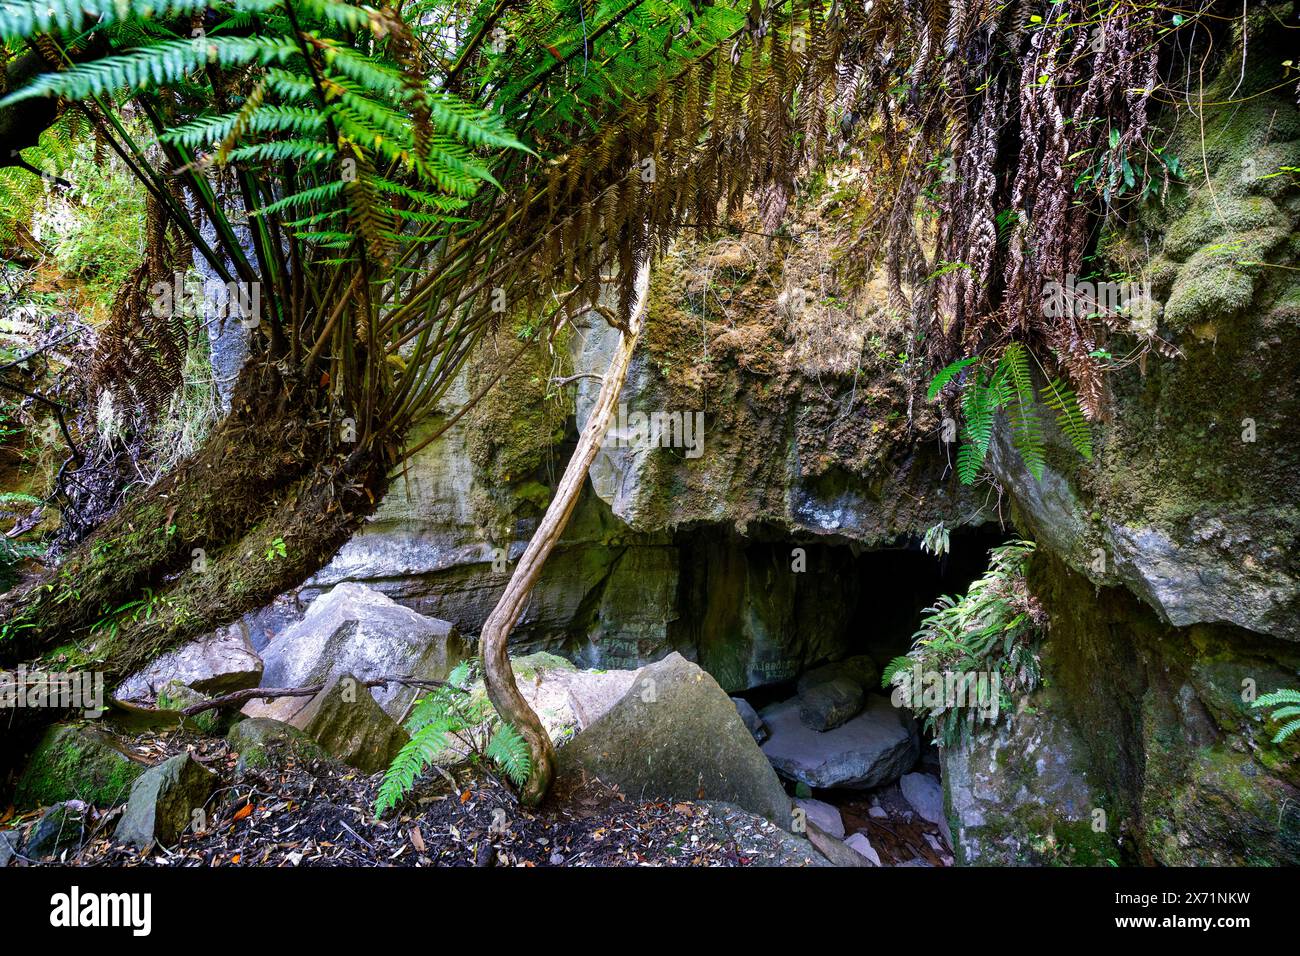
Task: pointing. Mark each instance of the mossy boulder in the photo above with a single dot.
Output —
(163, 800)
(77, 762)
(263, 743)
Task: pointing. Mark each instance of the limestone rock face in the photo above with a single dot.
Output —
(676, 735)
(876, 747)
(347, 722)
(216, 663)
(163, 800)
(355, 630)
(76, 762)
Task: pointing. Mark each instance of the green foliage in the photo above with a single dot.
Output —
(1286, 713)
(994, 628)
(936, 540)
(1007, 384)
(452, 713)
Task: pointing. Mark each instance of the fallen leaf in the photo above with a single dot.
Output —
(242, 812)
(417, 839)
(464, 797)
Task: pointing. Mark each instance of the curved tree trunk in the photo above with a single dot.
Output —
(498, 675)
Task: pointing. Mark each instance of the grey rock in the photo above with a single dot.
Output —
(676, 735)
(77, 762)
(860, 668)
(345, 720)
(830, 703)
(1013, 782)
(263, 742)
(354, 630)
(62, 825)
(834, 848)
(874, 748)
(163, 800)
(824, 815)
(592, 694)
(9, 847)
(859, 843)
(749, 715)
(754, 836)
(216, 663)
(925, 795)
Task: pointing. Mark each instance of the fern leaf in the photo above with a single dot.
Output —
(947, 374)
(509, 751)
(1069, 416)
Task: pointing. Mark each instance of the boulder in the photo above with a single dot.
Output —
(859, 843)
(826, 817)
(593, 693)
(860, 669)
(216, 663)
(925, 794)
(77, 762)
(347, 722)
(62, 825)
(753, 723)
(174, 695)
(676, 735)
(827, 705)
(163, 800)
(874, 748)
(354, 630)
(262, 742)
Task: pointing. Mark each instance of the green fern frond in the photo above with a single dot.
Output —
(509, 751)
(947, 374)
(418, 753)
(1069, 416)
(164, 62)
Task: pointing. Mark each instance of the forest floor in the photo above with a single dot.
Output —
(321, 814)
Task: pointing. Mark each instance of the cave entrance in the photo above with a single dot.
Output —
(799, 630)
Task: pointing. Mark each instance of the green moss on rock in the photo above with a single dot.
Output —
(77, 762)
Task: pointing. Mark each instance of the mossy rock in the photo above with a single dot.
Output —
(262, 743)
(531, 665)
(77, 762)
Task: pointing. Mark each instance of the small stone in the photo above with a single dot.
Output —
(60, 826)
(860, 843)
(824, 815)
(163, 800)
(9, 841)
